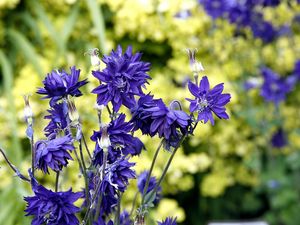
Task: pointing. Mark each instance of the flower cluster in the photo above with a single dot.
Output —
(50, 207)
(244, 14)
(109, 169)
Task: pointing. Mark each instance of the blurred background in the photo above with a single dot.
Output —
(247, 168)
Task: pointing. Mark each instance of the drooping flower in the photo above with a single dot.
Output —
(274, 88)
(279, 139)
(58, 120)
(60, 84)
(122, 79)
(55, 208)
(153, 117)
(208, 101)
(121, 140)
(152, 183)
(53, 153)
(125, 218)
(168, 221)
(119, 172)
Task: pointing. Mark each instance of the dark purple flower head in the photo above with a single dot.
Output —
(215, 8)
(168, 221)
(152, 183)
(122, 142)
(274, 88)
(279, 139)
(208, 101)
(58, 120)
(53, 153)
(101, 221)
(153, 117)
(119, 172)
(125, 218)
(264, 30)
(141, 113)
(60, 84)
(55, 208)
(122, 79)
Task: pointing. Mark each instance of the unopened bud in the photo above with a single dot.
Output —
(196, 66)
(28, 114)
(98, 107)
(94, 53)
(73, 113)
(104, 141)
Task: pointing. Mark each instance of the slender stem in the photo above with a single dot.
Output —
(101, 194)
(87, 214)
(150, 171)
(117, 216)
(167, 166)
(86, 147)
(13, 167)
(56, 181)
(32, 155)
(84, 172)
(80, 165)
(133, 203)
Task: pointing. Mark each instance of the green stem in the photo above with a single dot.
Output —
(85, 145)
(133, 203)
(118, 212)
(150, 171)
(167, 166)
(56, 181)
(84, 172)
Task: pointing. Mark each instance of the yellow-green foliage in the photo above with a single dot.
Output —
(225, 58)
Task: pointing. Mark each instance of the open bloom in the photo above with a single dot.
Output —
(122, 79)
(208, 100)
(168, 221)
(58, 120)
(60, 84)
(152, 183)
(274, 88)
(53, 153)
(120, 138)
(55, 208)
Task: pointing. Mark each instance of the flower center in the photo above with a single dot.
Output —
(202, 104)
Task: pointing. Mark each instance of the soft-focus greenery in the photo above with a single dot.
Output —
(225, 172)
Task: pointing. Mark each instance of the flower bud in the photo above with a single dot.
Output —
(73, 113)
(104, 141)
(196, 66)
(94, 53)
(28, 114)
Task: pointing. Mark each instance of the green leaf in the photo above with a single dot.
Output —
(98, 20)
(149, 198)
(7, 73)
(70, 23)
(27, 49)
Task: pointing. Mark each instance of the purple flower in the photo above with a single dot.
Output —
(122, 142)
(60, 84)
(53, 153)
(55, 208)
(208, 100)
(58, 120)
(122, 79)
(215, 8)
(279, 139)
(125, 218)
(101, 221)
(153, 117)
(168, 221)
(119, 172)
(264, 30)
(152, 183)
(297, 69)
(274, 88)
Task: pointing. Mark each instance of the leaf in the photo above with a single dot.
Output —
(149, 198)
(70, 23)
(27, 49)
(98, 21)
(7, 73)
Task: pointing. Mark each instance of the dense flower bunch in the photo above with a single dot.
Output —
(245, 14)
(109, 169)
